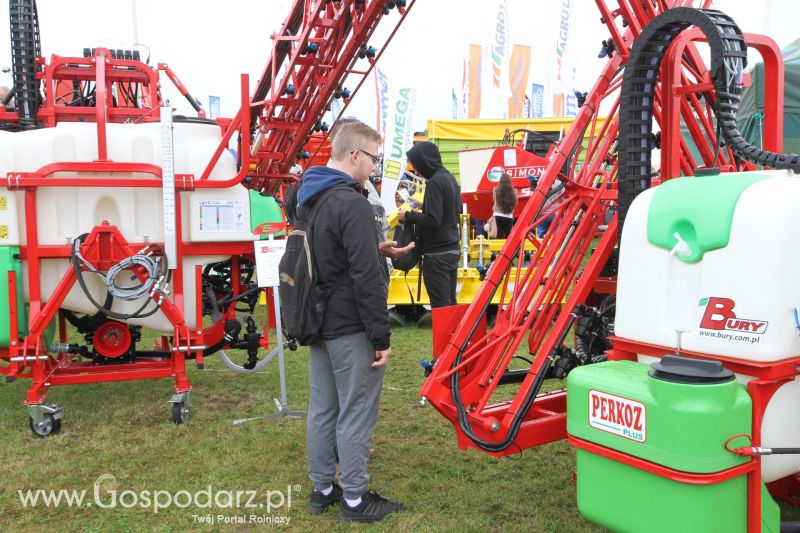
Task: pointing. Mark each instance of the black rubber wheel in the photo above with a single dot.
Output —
(49, 426)
(180, 413)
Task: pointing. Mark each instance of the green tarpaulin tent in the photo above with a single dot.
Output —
(751, 109)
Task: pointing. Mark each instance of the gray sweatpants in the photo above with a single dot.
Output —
(342, 411)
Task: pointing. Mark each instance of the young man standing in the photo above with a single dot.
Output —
(437, 224)
(348, 362)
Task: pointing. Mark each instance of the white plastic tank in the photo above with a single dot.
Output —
(64, 213)
(710, 264)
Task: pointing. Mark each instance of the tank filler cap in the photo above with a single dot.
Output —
(681, 247)
(676, 369)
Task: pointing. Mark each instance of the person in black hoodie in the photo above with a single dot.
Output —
(437, 224)
(347, 365)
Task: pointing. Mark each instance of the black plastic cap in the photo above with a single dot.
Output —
(677, 369)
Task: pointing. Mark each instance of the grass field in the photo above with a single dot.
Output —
(124, 430)
(120, 435)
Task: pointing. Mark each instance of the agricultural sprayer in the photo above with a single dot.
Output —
(681, 366)
(117, 217)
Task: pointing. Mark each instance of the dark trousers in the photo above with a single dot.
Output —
(440, 273)
(504, 225)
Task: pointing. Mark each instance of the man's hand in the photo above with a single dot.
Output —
(401, 215)
(389, 249)
(382, 357)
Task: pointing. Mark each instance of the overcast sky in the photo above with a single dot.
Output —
(209, 43)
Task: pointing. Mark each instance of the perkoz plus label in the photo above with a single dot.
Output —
(618, 415)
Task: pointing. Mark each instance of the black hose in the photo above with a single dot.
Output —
(139, 313)
(783, 451)
(232, 329)
(7, 98)
(728, 59)
(25, 49)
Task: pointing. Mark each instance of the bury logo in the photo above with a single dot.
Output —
(618, 415)
(719, 315)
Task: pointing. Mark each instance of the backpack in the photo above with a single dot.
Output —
(302, 301)
(404, 235)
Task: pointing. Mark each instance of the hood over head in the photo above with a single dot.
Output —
(426, 158)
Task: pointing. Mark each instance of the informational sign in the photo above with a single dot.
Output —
(268, 259)
(222, 216)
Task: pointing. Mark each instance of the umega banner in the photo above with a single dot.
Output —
(518, 69)
(475, 66)
(399, 134)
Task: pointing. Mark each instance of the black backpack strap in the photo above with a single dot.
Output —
(419, 280)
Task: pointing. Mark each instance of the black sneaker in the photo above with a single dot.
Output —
(319, 502)
(372, 508)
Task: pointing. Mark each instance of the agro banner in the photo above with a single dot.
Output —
(561, 50)
(475, 66)
(518, 69)
(500, 45)
(399, 134)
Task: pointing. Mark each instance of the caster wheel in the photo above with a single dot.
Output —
(180, 412)
(47, 427)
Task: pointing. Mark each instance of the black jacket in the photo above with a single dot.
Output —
(437, 224)
(345, 253)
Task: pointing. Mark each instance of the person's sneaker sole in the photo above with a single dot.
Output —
(366, 519)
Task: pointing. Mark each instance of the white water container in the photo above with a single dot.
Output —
(64, 213)
(737, 300)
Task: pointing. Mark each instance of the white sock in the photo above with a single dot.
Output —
(353, 503)
(327, 492)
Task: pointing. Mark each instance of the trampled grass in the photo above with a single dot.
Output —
(124, 429)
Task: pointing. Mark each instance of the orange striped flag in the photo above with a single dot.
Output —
(518, 69)
(475, 66)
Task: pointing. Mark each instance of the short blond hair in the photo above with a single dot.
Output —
(339, 124)
(352, 136)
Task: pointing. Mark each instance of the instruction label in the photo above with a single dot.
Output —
(618, 415)
(218, 216)
(268, 258)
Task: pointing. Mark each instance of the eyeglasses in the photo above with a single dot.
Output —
(375, 158)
